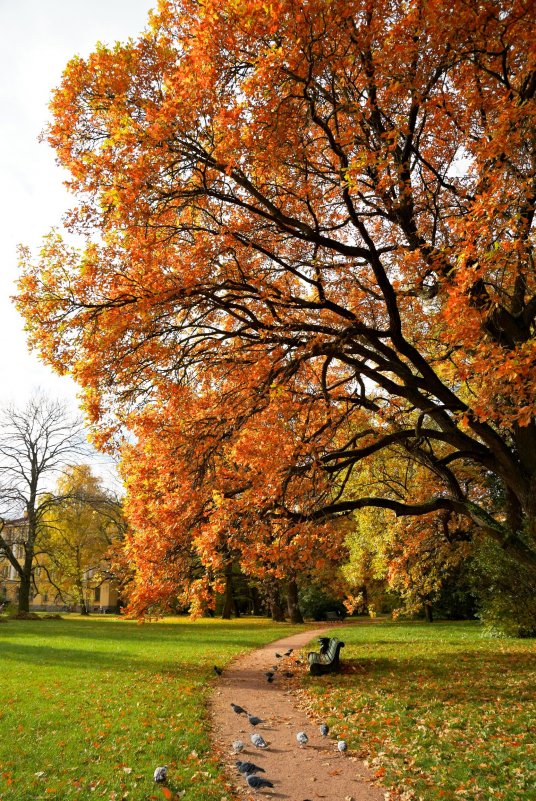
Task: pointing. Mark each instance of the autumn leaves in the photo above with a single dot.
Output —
(310, 252)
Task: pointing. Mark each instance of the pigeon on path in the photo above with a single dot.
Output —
(258, 741)
(288, 653)
(160, 775)
(248, 767)
(238, 746)
(302, 738)
(217, 670)
(256, 782)
(254, 720)
(324, 729)
(341, 746)
(238, 709)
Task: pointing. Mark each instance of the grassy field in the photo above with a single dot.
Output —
(89, 707)
(438, 711)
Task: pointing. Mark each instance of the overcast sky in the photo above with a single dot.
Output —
(38, 38)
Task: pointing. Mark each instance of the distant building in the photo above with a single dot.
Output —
(101, 593)
(14, 534)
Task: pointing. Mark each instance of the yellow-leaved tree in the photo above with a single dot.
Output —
(80, 528)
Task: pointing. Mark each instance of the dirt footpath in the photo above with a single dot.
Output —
(315, 771)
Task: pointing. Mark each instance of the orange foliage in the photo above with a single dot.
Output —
(312, 241)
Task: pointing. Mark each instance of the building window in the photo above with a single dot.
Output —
(97, 593)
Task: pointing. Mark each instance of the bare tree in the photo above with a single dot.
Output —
(36, 443)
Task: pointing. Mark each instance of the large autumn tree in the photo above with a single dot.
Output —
(315, 212)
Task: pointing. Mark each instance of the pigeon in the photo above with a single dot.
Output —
(258, 741)
(256, 782)
(238, 746)
(342, 747)
(218, 671)
(288, 653)
(248, 767)
(278, 656)
(270, 679)
(254, 720)
(324, 729)
(160, 774)
(238, 709)
(269, 674)
(302, 738)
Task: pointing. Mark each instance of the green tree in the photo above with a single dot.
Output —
(81, 522)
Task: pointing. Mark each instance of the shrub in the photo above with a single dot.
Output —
(506, 592)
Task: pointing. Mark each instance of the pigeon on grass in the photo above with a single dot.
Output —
(302, 738)
(341, 746)
(258, 741)
(238, 709)
(247, 768)
(160, 775)
(217, 670)
(257, 782)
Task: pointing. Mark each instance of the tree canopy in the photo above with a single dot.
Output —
(310, 242)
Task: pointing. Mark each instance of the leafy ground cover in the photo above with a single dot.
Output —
(438, 711)
(89, 707)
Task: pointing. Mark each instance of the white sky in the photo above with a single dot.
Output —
(38, 38)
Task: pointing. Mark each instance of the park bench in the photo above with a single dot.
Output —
(327, 660)
(332, 615)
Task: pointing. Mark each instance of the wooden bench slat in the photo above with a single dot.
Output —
(327, 660)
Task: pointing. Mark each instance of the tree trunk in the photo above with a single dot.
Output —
(364, 594)
(278, 614)
(428, 612)
(228, 599)
(24, 592)
(256, 601)
(81, 598)
(25, 586)
(294, 611)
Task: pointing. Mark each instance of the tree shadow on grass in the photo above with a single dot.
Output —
(93, 660)
(179, 634)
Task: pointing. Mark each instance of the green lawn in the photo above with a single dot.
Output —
(438, 711)
(89, 707)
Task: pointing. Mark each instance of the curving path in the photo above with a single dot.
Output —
(314, 772)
